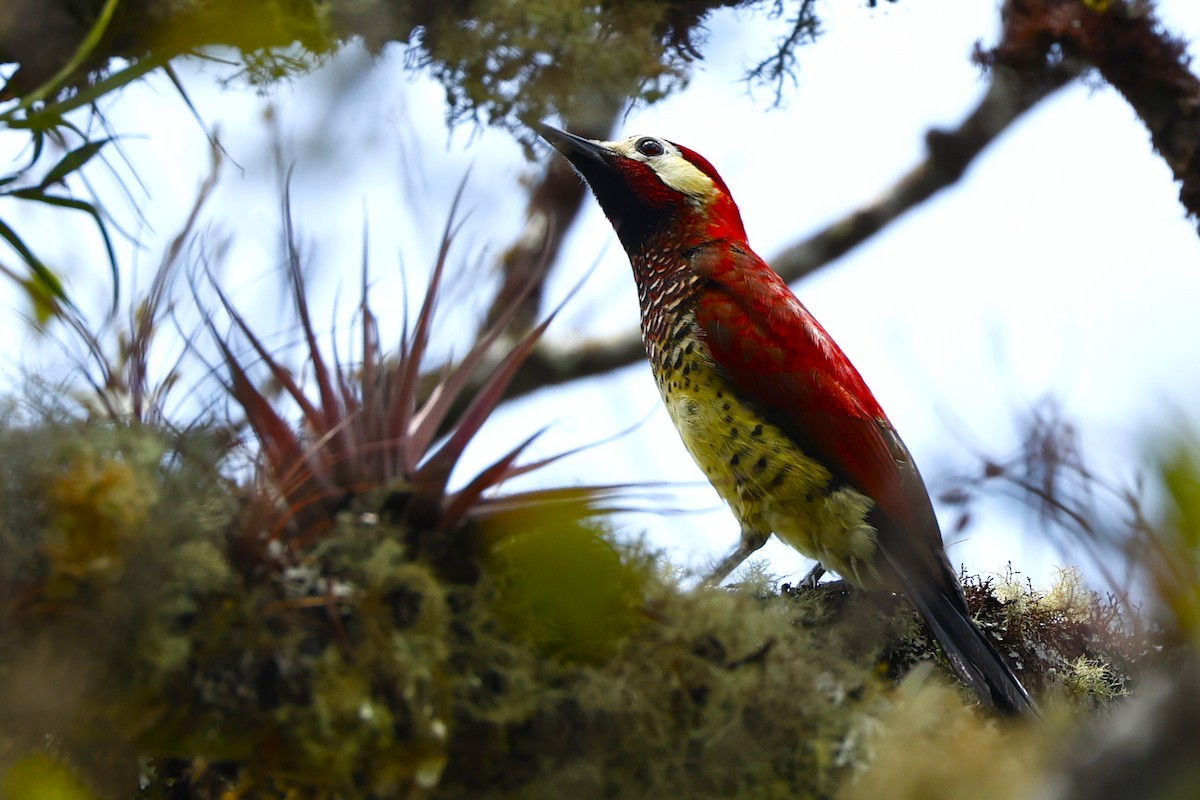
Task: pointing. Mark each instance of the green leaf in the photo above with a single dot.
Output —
(52, 114)
(43, 276)
(45, 306)
(38, 140)
(88, 208)
(18, 244)
(73, 161)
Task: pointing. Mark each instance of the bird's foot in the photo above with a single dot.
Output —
(751, 542)
(810, 581)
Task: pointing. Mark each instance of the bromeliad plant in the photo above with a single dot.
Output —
(381, 437)
(318, 630)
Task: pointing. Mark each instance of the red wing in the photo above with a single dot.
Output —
(782, 360)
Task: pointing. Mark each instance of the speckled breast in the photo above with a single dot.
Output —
(769, 483)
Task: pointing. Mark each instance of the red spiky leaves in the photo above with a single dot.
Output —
(377, 427)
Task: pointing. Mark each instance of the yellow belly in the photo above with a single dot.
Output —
(769, 483)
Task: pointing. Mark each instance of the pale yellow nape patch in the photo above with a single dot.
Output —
(671, 167)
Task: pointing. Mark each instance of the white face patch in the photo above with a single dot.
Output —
(671, 167)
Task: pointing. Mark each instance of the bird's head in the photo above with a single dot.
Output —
(649, 186)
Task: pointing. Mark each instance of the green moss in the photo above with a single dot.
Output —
(930, 746)
(111, 542)
(151, 630)
(38, 777)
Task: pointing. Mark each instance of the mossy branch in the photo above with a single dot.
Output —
(1129, 47)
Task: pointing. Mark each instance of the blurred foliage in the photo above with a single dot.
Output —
(1143, 537)
(47, 121)
(505, 62)
(560, 582)
(39, 777)
(121, 386)
(928, 746)
(1175, 570)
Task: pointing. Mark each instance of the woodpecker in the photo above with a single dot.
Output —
(768, 405)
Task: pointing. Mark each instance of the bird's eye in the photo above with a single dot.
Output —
(650, 147)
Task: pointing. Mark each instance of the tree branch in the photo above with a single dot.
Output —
(948, 156)
(550, 364)
(1129, 47)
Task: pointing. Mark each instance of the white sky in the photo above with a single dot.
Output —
(1061, 265)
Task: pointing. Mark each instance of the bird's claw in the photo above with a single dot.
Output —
(810, 581)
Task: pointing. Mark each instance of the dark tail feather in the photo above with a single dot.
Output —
(972, 655)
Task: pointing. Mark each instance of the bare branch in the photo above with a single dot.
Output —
(780, 68)
(949, 154)
(552, 365)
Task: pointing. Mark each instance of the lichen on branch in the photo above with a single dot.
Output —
(500, 62)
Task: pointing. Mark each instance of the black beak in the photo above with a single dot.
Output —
(585, 154)
(599, 166)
